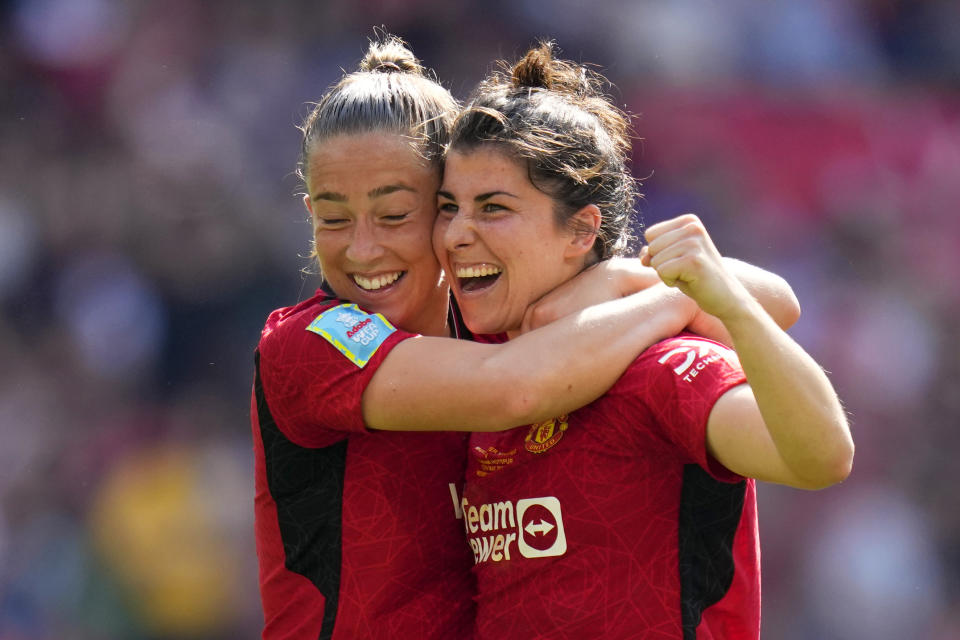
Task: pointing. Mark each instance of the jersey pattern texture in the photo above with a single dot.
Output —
(357, 535)
(613, 521)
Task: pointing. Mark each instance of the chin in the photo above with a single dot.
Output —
(483, 327)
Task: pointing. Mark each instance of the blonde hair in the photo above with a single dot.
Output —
(392, 92)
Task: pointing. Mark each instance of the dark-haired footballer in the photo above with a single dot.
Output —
(633, 516)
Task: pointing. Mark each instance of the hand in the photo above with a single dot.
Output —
(606, 280)
(685, 257)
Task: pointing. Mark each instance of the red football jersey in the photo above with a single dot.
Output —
(613, 521)
(356, 529)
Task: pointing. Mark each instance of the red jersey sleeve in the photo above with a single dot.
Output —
(684, 376)
(315, 362)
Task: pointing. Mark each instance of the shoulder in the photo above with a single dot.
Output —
(315, 360)
(676, 362)
(325, 327)
(686, 352)
(286, 320)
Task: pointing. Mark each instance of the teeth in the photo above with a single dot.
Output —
(376, 282)
(477, 272)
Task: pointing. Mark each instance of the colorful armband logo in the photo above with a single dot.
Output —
(355, 333)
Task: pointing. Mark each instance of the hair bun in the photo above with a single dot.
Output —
(390, 55)
(539, 69)
(535, 68)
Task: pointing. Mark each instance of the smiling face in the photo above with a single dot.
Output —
(497, 238)
(372, 200)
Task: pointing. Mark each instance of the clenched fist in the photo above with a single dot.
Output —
(685, 257)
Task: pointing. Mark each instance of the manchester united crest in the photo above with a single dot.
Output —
(544, 435)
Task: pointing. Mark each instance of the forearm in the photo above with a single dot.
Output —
(442, 384)
(772, 292)
(618, 277)
(575, 360)
(799, 406)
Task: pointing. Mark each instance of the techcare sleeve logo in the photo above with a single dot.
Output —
(693, 356)
(533, 527)
(355, 333)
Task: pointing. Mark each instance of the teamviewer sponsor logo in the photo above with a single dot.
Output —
(497, 531)
(541, 527)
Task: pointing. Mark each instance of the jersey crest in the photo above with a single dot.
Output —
(355, 333)
(543, 435)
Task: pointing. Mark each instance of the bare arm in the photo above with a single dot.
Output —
(617, 277)
(772, 292)
(787, 424)
(442, 384)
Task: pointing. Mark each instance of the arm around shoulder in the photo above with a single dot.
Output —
(429, 384)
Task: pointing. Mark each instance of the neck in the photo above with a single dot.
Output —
(433, 320)
(570, 271)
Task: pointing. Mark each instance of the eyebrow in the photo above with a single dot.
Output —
(479, 198)
(378, 192)
(388, 189)
(330, 195)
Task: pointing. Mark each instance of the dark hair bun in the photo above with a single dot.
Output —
(535, 68)
(539, 69)
(390, 55)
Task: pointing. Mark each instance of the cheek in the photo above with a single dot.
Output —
(415, 245)
(324, 246)
(439, 231)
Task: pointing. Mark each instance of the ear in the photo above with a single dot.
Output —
(585, 224)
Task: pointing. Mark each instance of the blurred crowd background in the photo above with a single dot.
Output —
(149, 221)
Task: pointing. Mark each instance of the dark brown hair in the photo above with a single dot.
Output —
(555, 115)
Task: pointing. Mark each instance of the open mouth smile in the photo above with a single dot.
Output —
(477, 277)
(377, 282)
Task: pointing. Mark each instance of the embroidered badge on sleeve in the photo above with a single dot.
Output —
(355, 333)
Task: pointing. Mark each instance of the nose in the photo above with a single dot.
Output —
(459, 231)
(365, 243)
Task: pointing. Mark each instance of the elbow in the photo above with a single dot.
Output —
(832, 474)
(523, 406)
(793, 311)
(841, 465)
(832, 467)
(789, 309)
(528, 401)
(519, 403)
(839, 459)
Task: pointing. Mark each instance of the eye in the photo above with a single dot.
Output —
(448, 208)
(394, 218)
(492, 207)
(331, 222)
